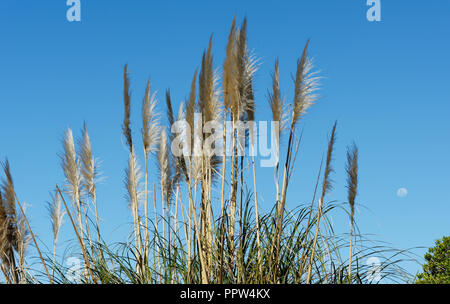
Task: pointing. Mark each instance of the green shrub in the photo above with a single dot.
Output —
(437, 268)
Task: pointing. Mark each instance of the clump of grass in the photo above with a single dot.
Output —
(15, 232)
(194, 236)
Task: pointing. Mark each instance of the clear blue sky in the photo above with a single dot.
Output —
(385, 82)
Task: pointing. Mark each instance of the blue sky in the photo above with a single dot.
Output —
(385, 82)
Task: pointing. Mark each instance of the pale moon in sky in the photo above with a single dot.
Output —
(402, 192)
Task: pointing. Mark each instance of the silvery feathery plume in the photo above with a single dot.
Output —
(170, 115)
(133, 178)
(4, 231)
(306, 85)
(182, 117)
(7, 187)
(164, 166)
(178, 161)
(23, 240)
(352, 186)
(229, 82)
(71, 168)
(208, 92)
(150, 120)
(276, 103)
(208, 102)
(190, 110)
(247, 65)
(89, 168)
(14, 234)
(248, 100)
(56, 215)
(198, 152)
(239, 69)
(126, 129)
(352, 177)
(8, 215)
(89, 171)
(327, 182)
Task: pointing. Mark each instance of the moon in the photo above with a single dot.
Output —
(402, 192)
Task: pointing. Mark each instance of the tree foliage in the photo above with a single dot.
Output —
(437, 267)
